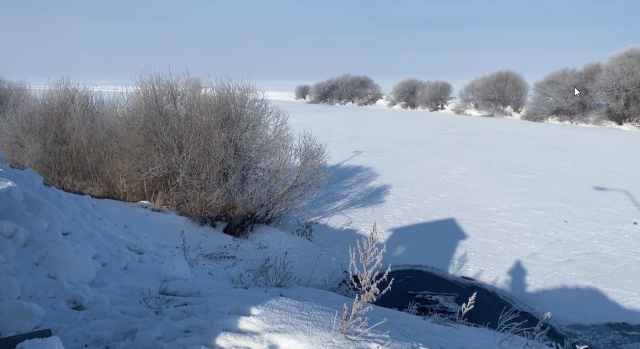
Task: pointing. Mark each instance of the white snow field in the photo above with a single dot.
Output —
(543, 213)
(548, 213)
(80, 267)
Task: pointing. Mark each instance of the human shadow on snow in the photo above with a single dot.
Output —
(435, 244)
(621, 331)
(587, 300)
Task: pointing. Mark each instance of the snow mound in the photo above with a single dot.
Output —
(19, 317)
(102, 273)
(41, 343)
(11, 231)
(176, 268)
(11, 191)
(72, 264)
(10, 290)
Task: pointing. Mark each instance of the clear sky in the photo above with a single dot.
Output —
(304, 41)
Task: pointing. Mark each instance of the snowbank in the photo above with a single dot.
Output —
(19, 317)
(41, 343)
(101, 273)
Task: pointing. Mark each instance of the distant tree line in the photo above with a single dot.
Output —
(362, 90)
(611, 90)
(413, 93)
(499, 93)
(343, 89)
(608, 90)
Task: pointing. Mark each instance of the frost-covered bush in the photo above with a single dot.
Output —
(223, 151)
(219, 150)
(612, 89)
(413, 93)
(14, 97)
(64, 135)
(302, 91)
(434, 95)
(11, 94)
(497, 93)
(405, 93)
(346, 88)
(554, 95)
(619, 87)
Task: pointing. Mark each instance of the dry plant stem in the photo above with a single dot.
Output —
(365, 271)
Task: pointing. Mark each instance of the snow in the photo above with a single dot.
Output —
(9, 230)
(541, 212)
(10, 290)
(10, 191)
(68, 263)
(175, 268)
(19, 317)
(101, 273)
(41, 343)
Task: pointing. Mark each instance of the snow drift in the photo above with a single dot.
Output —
(82, 266)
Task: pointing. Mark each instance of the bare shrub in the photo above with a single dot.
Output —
(156, 302)
(434, 95)
(19, 128)
(218, 254)
(223, 151)
(64, 135)
(306, 228)
(412, 308)
(538, 334)
(269, 273)
(276, 274)
(497, 93)
(554, 95)
(405, 93)
(366, 270)
(302, 91)
(619, 87)
(12, 94)
(509, 326)
(346, 88)
(219, 150)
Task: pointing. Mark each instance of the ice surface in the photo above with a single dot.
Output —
(542, 211)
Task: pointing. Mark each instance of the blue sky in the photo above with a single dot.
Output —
(304, 41)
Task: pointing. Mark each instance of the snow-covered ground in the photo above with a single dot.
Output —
(81, 267)
(543, 212)
(548, 213)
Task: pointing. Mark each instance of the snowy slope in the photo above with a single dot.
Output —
(80, 266)
(544, 212)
